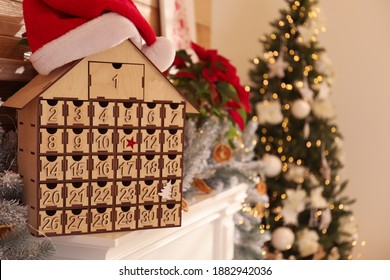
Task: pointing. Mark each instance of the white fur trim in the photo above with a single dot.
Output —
(97, 35)
(161, 53)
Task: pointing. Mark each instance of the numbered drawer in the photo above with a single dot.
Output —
(102, 193)
(174, 115)
(51, 140)
(52, 112)
(50, 222)
(150, 166)
(103, 113)
(148, 216)
(125, 218)
(128, 114)
(172, 165)
(127, 166)
(101, 219)
(51, 195)
(150, 140)
(78, 113)
(76, 221)
(51, 168)
(76, 194)
(102, 140)
(173, 140)
(151, 114)
(170, 215)
(77, 167)
(126, 192)
(102, 167)
(173, 190)
(77, 140)
(128, 140)
(148, 191)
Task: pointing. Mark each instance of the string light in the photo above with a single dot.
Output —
(271, 139)
(291, 159)
(254, 118)
(265, 76)
(296, 3)
(285, 167)
(283, 196)
(275, 96)
(273, 36)
(289, 19)
(308, 144)
(281, 23)
(318, 143)
(265, 82)
(327, 182)
(333, 129)
(247, 88)
(288, 138)
(287, 106)
(262, 91)
(283, 158)
(287, 35)
(280, 150)
(296, 58)
(256, 61)
(299, 162)
(264, 130)
(268, 148)
(290, 69)
(341, 206)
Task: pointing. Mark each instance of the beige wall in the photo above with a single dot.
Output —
(358, 42)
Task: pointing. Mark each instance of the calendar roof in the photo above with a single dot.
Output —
(74, 80)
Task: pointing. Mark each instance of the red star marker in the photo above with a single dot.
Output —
(131, 143)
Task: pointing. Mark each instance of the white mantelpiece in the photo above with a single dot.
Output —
(207, 232)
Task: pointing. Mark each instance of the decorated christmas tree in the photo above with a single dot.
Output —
(307, 214)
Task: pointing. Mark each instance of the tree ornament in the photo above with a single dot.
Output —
(320, 254)
(273, 165)
(306, 130)
(260, 208)
(323, 109)
(184, 205)
(5, 229)
(269, 112)
(305, 91)
(307, 242)
(282, 238)
(201, 185)
(277, 69)
(323, 91)
(222, 153)
(166, 191)
(261, 187)
(326, 219)
(325, 168)
(300, 109)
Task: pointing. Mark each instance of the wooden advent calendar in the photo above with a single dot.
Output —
(101, 146)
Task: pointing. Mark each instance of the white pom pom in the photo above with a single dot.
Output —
(300, 109)
(282, 238)
(161, 53)
(273, 165)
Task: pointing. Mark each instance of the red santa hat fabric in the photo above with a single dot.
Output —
(61, 31)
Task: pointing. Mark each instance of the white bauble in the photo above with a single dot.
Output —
(273, 165)
(300, 109)
(282, 238)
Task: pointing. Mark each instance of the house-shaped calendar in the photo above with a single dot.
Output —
(100, 145)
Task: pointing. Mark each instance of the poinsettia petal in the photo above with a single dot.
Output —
(237, 118)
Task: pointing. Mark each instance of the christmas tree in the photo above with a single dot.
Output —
(307, 214)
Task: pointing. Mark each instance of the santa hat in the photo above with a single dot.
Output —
(61, 31)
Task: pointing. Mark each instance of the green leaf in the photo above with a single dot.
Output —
(182, 54)
(227, 91)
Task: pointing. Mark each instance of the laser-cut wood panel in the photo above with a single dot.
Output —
(100, 139)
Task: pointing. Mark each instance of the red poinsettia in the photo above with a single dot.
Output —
(211, 82)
